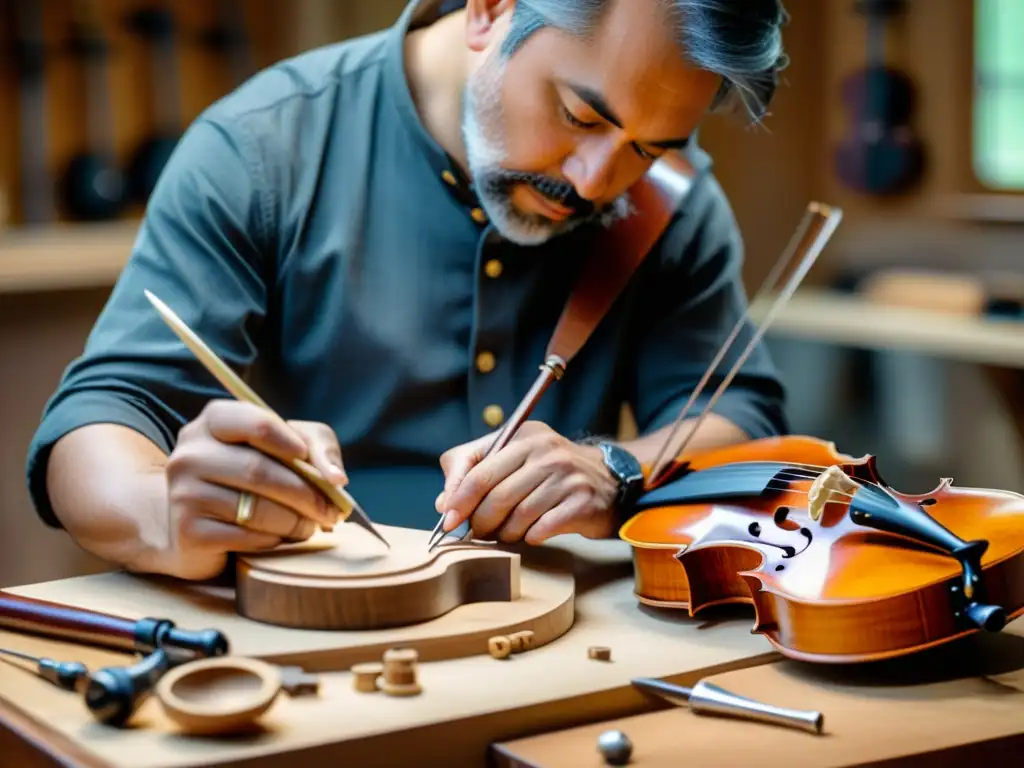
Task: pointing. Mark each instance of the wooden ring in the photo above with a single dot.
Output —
(217, 695)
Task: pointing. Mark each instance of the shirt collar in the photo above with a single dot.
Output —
(419, 13)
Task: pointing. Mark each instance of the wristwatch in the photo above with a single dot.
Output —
(625, 468)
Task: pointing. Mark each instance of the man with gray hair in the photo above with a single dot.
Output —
(382, 234)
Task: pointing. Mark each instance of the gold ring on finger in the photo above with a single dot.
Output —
(246, 502)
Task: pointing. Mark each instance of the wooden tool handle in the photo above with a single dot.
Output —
(25, 614)
(551, 370)
(41, 617)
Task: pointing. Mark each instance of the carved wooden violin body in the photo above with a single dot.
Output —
(838, 566)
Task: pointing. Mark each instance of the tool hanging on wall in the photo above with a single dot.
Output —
(36, 192)
(94, 187)
(881, 154)
(156, 26)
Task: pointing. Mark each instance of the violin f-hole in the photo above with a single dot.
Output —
(788, 550)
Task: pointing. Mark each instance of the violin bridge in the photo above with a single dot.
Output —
(832, 482)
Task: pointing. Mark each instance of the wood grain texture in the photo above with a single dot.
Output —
(839, 589)
(956, 706)
(545, 605)
(466, 704)
(348, 580)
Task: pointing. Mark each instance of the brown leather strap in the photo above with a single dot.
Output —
(655, 198)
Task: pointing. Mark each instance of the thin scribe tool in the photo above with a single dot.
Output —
(240, 390)
(69, 675)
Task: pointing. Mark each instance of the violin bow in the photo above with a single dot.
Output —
(813, 233)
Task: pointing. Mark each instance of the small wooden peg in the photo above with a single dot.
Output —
(500, 647)
(364, 676)
(399, 678)
(600, 653)
(521, 641)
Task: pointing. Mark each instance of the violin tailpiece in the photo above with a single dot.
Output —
(837, 565)
(873, 507)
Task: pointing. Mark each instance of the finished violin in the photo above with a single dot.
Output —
(838, 566)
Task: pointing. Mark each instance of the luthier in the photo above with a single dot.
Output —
(413, 594)
(431, 652)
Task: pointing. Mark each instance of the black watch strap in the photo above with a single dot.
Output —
(625, 468)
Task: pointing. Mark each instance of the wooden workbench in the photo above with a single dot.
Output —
(958, 707)
(468, 704)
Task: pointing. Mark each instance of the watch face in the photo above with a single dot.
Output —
(622, 463)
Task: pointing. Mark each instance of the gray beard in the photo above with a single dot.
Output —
(494, 184)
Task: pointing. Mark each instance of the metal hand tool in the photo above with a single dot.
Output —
(69, 675)
(708, 699)
(112, 694)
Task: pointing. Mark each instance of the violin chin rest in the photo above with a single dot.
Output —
(991, 618)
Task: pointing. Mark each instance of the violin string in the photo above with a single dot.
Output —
(795, 467)
(798, 491)
(831, 218)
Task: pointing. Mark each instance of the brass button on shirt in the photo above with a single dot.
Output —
(308, 229)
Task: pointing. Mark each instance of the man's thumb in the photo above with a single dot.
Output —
(456, 464)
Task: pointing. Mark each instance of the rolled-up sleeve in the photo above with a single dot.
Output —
(693, 299)
(200, 249)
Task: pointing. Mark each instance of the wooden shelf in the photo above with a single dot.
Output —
(68, 257)
(64, 257)
(838, 318)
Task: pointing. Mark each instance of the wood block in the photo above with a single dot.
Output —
(348, 580)
(545, 604)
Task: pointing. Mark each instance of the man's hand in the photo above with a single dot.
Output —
(233, 447)
(538, 486)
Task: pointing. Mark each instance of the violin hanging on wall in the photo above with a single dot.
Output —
(881, 154)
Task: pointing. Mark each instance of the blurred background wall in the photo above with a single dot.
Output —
(904, 341)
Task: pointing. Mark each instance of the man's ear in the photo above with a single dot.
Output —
(480, 18)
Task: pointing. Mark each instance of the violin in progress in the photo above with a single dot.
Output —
(839, 566)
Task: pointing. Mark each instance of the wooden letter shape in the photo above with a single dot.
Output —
(347, 580)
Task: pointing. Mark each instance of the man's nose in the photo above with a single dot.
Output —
(589, 168)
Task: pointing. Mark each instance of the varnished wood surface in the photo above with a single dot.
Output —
(955, 707)
(832, 589)
(466, 703)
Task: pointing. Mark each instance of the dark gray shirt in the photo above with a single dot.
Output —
(311, 231)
